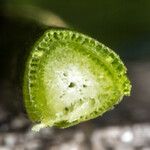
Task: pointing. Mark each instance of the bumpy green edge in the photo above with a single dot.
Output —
(70, 78)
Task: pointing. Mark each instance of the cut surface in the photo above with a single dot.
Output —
(71, 78)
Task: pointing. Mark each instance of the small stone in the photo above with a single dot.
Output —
(19, 122)
(127, 137)
(10, 140)
(33, 145)
(79, 137)
(4, 148)
(146, 148)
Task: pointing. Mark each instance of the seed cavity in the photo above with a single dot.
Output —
(84, 85)
(66, 108)
(65, 74)
(71, 85)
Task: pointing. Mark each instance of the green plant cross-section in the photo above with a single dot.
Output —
(71, 78)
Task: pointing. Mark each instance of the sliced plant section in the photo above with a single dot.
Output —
(70, 78)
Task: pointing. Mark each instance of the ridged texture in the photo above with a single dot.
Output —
(71, 78)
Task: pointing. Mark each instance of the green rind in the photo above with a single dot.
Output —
(38, 108)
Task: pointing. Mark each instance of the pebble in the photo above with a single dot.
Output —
(129, 137)
(4, 148)
(19, 122)
(10, 139)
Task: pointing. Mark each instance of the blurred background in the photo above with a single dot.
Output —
(122, 25)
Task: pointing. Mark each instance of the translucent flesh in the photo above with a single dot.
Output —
(71, 78)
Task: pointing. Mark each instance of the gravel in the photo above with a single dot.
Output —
(133, 137)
